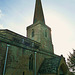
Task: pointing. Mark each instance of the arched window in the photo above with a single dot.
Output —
(62, 71)
(45, 33)
(32, 32)
(31, 62)
(23, 73)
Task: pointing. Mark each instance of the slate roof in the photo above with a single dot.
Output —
(50, 65)
(13, 38)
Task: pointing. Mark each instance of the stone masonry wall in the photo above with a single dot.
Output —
(2, 56)
(39, 36)
(18, 60)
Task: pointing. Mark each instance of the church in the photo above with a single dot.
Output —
(31, 55)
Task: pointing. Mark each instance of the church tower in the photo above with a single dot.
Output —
(39, 31)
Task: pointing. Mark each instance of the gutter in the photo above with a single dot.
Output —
(5, 59)
(35, 64)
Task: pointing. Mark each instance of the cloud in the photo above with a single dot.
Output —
(1, 14)
(16, 27)
(1, 26)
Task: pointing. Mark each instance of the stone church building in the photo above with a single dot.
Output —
(31, 55)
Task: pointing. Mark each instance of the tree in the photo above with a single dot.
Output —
(71, 61)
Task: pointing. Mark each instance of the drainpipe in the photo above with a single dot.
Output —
(35, 63)
(5, 59)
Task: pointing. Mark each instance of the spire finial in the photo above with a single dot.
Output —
(38, 15)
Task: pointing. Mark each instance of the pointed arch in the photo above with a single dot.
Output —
(46, 33)
(63, 69)
(31, 62)
(32, 32)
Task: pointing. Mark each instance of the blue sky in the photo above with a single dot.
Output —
(16, 15)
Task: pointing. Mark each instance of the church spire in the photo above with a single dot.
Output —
(38, 15)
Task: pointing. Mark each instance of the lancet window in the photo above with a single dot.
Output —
(31, 62)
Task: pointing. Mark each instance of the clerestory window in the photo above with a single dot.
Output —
(45, 33)
(32, 32)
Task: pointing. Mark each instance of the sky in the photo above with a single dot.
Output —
(16, 15)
